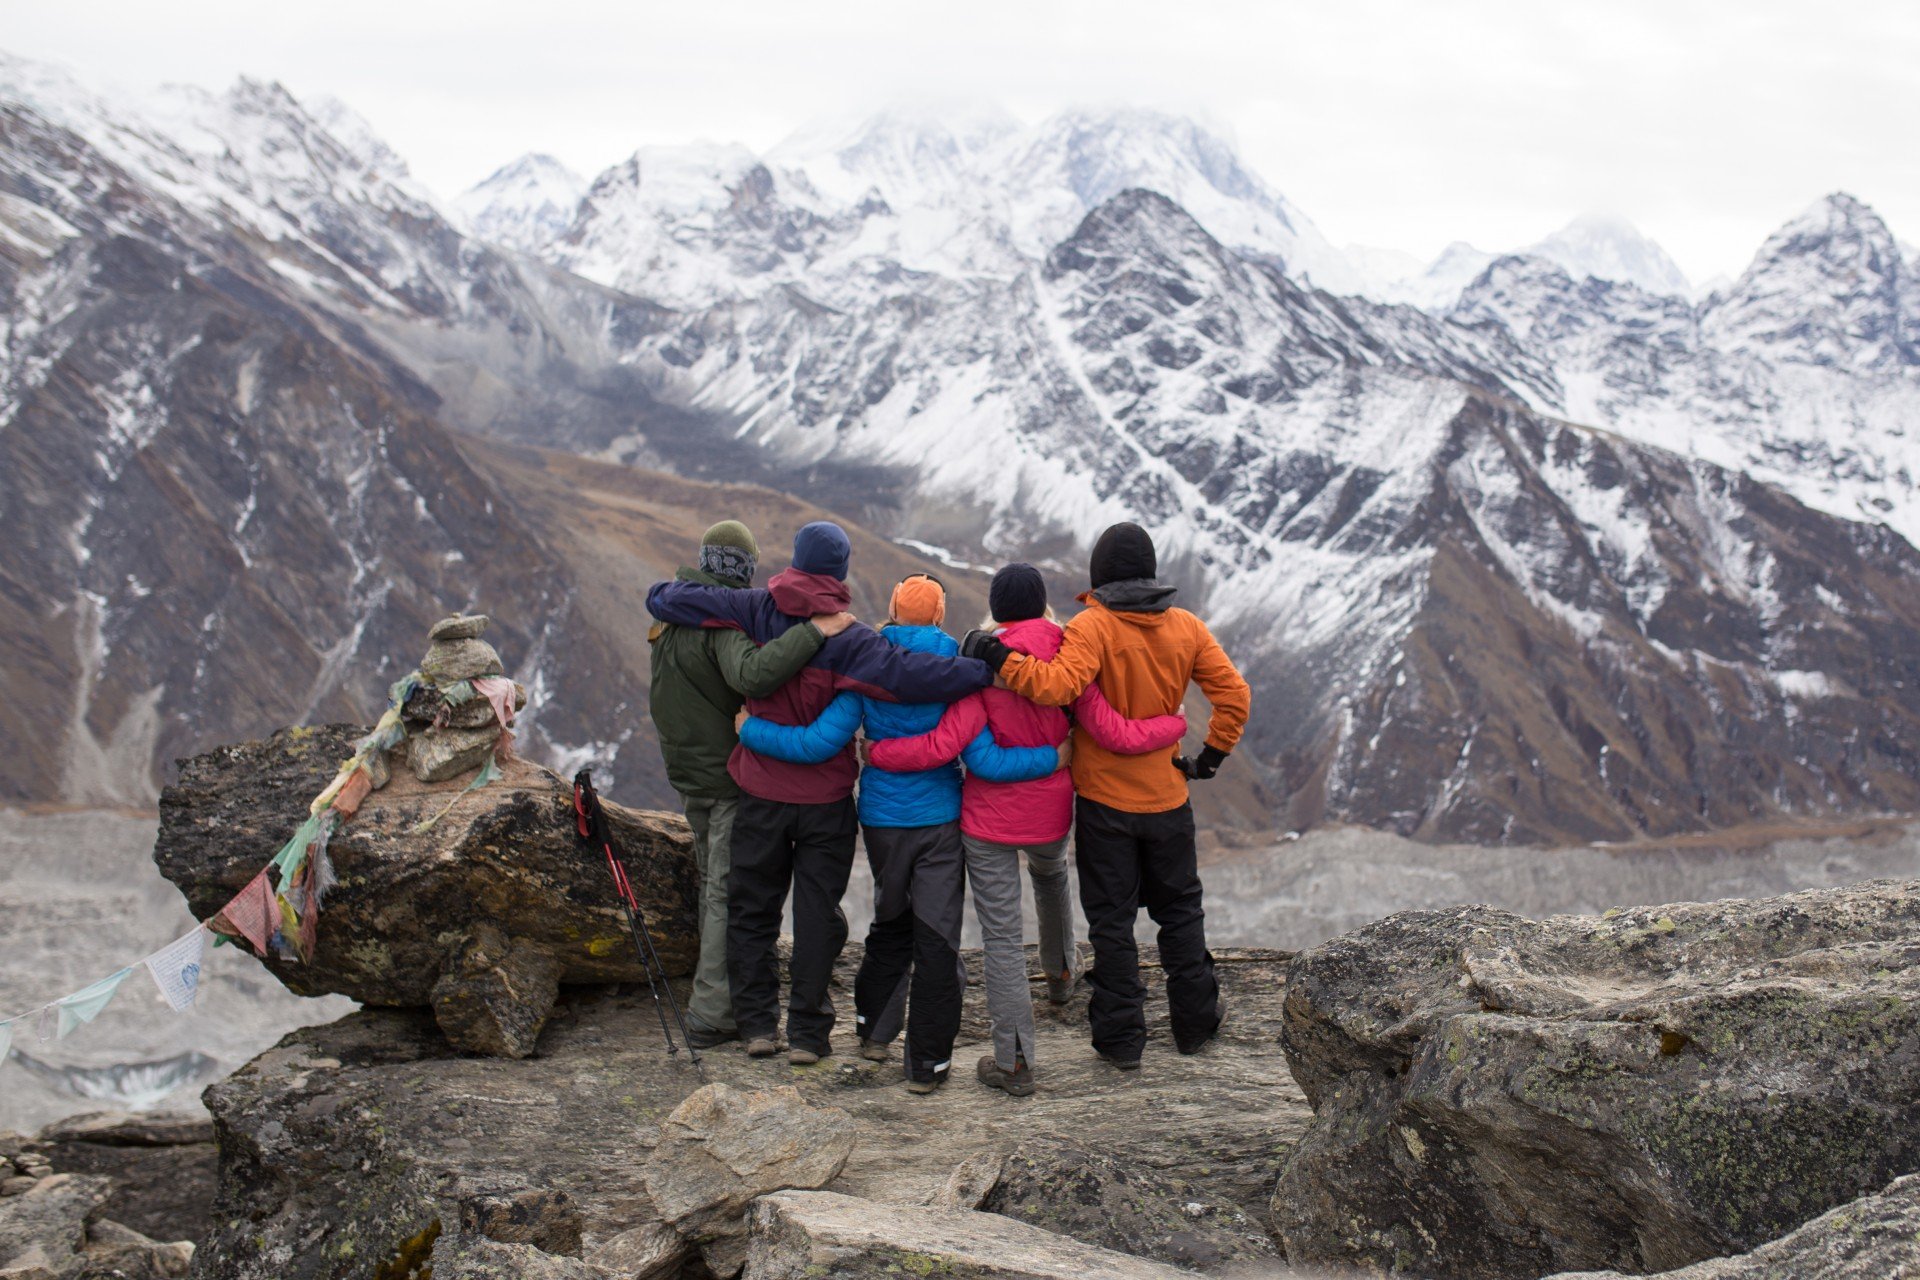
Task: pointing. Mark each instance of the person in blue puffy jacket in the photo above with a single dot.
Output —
(911, 974)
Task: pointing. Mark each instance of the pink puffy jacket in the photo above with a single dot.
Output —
(1023, 813)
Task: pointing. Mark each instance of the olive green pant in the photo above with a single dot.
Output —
(712, 821)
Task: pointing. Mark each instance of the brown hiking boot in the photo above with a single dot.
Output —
(873, 1052)
(1017, 1083)
(804, 1057)
(762, 1047)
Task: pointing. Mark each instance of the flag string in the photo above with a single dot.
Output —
(278, 911)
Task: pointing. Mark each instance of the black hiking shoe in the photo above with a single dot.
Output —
(1017, 1083)
(1122, 1064)
(707, 1038)
(1220, 1002)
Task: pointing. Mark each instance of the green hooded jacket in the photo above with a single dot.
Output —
(701, 678)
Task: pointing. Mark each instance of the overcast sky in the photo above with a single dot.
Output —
(1399, 124)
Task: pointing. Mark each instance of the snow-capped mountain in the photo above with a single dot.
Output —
(245, 351)
(968, 195)
(524, 205)
(1593, 245)
(1611, 248)
(1804, 372)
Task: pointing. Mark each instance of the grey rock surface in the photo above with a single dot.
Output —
(1496, 1096)
(441, 755)
(345, 1144)
(495, 995)
(1060, 1186)
(1876, 1237)
(162, 1167)
(723, 1147)
(450, 661)
(799, 1235)
(460, 626)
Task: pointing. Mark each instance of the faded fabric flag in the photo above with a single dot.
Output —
(84, 1005)
(176, 969)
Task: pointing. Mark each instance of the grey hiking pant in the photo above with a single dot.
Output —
(712, 821)
(994, 871)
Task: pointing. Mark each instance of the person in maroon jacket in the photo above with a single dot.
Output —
(796, 825)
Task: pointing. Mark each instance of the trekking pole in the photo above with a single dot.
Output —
(590, 824)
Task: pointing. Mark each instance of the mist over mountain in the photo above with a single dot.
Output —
(1561, 557)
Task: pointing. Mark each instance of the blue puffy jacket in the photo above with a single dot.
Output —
(926, 798)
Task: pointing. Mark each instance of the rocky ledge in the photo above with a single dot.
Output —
(1503, 1097)
(481, 916)
(371, 1143)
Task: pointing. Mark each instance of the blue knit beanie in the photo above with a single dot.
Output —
(822, 548)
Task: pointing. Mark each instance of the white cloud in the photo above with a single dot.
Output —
(1400, 124)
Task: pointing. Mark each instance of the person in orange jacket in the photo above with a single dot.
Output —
(1134, 836)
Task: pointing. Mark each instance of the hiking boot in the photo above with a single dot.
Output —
(806, 1057)
(762, 1047)
(873, 1052)
(1122, 1064)
(707, 1038)
(1061, 986)
(927, 1086)
(1221, 1004)
(1017, 1083)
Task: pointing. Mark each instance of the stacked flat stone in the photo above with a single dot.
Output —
(452, 730)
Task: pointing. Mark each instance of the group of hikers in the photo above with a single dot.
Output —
(768, 702)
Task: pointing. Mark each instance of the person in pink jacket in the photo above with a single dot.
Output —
(999, 820)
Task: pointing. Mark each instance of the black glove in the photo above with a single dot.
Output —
(987, 647)
(1202, 766)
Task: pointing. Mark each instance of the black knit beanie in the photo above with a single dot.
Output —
(1124, 551)
(1017, 593)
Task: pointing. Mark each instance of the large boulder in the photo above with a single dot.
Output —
(1875, 1238)
(56, 1231)
(496, 890)
(799, 1235)
(1115, 1204)
(1496, 1096)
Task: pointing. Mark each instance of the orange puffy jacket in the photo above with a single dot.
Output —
(1144, 662)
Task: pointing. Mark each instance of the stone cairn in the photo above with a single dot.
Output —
(451, 729)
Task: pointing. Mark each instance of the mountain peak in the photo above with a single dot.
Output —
(525, 203)
(1829, 287)
(1608, 247)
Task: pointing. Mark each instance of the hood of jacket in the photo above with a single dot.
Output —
(1040, 637)
(920, 638)
(1134, 595)
(801, 595)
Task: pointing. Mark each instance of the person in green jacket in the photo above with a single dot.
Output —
(701, 678)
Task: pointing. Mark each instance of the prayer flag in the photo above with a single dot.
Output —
(84, 1006)
(251, 914)
(176, 969)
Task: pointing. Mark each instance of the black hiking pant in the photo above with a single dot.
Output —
(911, 972)
(807, 848)
(1127, 861)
